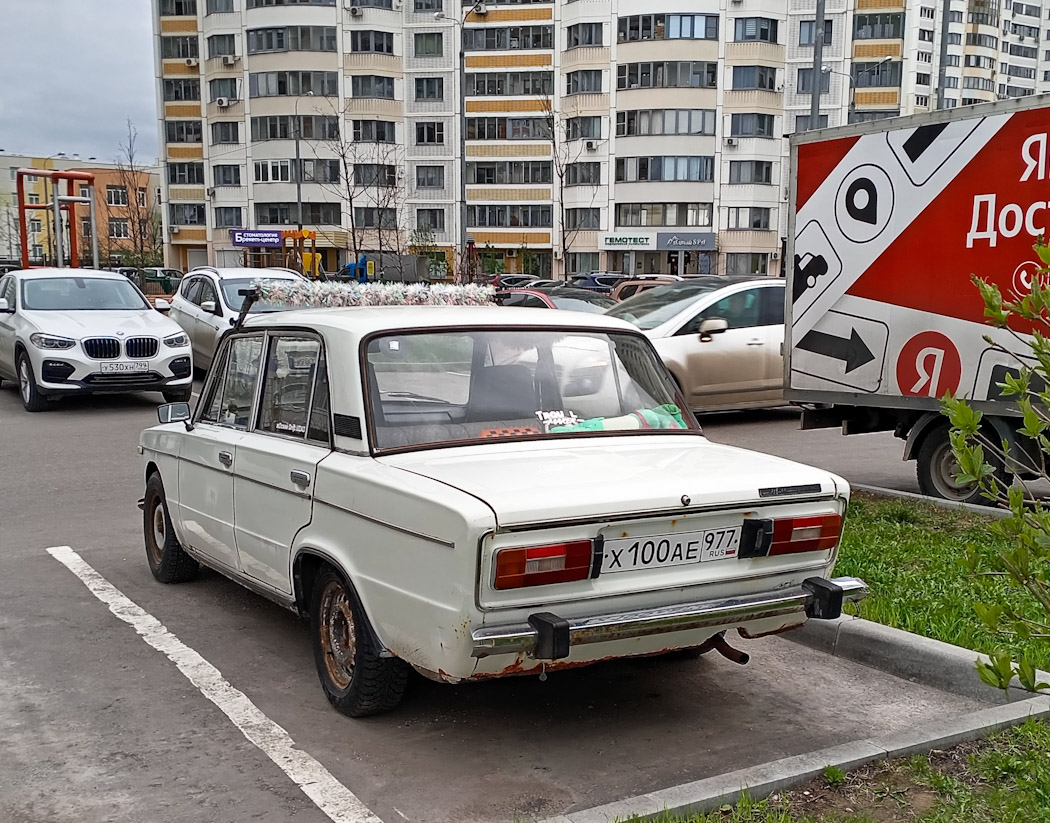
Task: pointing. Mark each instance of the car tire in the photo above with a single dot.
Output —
(935, 465)
(32, 399)
(179, 395)
(168, 561)
(356, 680)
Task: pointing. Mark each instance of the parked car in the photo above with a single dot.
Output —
(719, 336)
(629, 288)
(82, 331)
(471, 493)
(512, 281)
(209, 300)
(601, 282)
(562, 297)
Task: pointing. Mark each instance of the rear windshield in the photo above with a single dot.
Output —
(443, 387)
(653, 307)
(81, 294)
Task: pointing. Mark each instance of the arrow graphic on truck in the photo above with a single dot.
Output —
(852, 351)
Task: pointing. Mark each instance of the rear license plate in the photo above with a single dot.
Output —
(654, 551)
(125, 367)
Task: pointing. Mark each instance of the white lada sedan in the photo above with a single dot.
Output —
(81, 331)
(474, 492)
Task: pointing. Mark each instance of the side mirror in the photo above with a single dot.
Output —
(173, 412)
(711, 326)
(160, 304)
(4, 308)
(208, 306)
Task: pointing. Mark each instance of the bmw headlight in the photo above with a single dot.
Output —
(177, 341)
(51, 341)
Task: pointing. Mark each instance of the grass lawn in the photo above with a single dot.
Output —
(909, 554)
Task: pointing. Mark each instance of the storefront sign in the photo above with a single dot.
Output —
(257, 237)
(628, 241)
(685, 241)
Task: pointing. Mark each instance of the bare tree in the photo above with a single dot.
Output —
(142, 246)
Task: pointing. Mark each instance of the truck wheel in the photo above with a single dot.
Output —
(168, 561)
(356, 680)
(936, 468)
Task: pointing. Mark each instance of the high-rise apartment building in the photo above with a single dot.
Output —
(598, 135)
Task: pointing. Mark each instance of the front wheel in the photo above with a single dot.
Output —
(168, 561)
(32, 399)
(356, 680)
(937, 466)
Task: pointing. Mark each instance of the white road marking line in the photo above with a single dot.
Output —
(316, 782)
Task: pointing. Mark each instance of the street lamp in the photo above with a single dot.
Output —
(852, 110)
(440, 15)
(299, 165)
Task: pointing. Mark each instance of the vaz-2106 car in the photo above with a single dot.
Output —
(474, 492)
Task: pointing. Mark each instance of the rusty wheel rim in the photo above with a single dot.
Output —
(338, 635)
(157, 533)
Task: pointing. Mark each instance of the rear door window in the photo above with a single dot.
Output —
(288, 386)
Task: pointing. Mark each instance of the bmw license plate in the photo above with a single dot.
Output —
(654, 551)
(125, 367)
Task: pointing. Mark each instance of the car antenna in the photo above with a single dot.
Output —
(251, 296)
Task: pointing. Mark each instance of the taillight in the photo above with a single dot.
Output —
(540, 565)
(805, 534)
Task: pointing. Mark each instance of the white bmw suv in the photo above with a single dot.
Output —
(81, 331)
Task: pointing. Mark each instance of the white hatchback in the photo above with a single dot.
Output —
(476, 492)
(209, 300)
(81, 331)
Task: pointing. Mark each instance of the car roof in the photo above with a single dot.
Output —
(241, 272)
(45, 273)
(359, 322)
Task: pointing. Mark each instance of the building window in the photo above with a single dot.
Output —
(85, 227)
(187, 214)
(296, 83)
(503, 216)
(498, 84)
(375, 174)
(584, 34)
(38, 251)
(664, 214)
(430, 134)
(376, 42)
(511, 38)
(273, 171)
(318, 171)
(805, 81)
(427, 5)
(756, 28)
(283, 127)
(688, 74)
(926, 35)
(668, 169)
(219, 7)
(583, 262)
(866, 75)
(583, 218)
(223, 87)
(292, 38)
(186, 174)
(748, 218)
(507, 171)
(986, 41)
(179, 47)
(583, 174)
(430, 177)
(182, 89)
(225, 133)
(807, 30)
(433, 219)
(752, 125)
(754, 77)
(580, 128)
(754, 172)
(373, 131)
(885, 26)
(220, 45)
(665, 121)
(922, 79)
(584, 82)
(802, 122)
(178, 8)
(927, 12)
(922, 101)
(508, 128)
(429, 44)
(183, 131)
(924, 57)
(116, 196)
(227, 217)
(275, 214)
(667, 27)
(33, 199)
(747, 263)
(367, 217)
(36, 225)
(227, 175)
(430, 88)
(372, 85)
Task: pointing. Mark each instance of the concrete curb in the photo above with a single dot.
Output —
(989, 511)
(900, 653)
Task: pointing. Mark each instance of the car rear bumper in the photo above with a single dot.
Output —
(547, 637)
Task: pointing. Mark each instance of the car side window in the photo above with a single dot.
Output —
(511, 299)
(531, 301)
(288, 386)
(8, 290)
(192, 289)
(320, 427)
(741, 310)
(244, 361)
(211, 397)
(772, 306)
(207, 293)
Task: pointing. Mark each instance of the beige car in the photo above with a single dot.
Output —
(720, 337)
(629, 288)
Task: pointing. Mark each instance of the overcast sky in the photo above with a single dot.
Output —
(72, 72)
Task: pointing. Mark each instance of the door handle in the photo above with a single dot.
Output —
(226, 458)
(300, 478)
(754, 342)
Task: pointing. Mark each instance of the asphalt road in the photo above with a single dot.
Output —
(97, 725)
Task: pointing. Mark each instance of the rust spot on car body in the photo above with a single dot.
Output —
(785, 628)
(521, 666)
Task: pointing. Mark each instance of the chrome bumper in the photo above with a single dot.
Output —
(798, 601)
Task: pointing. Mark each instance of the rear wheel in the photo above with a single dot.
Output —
(937, 466)
(32, 399)
(168, 561)
(355, 679)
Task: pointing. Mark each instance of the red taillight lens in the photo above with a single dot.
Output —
(806, 534)
(540, 565)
